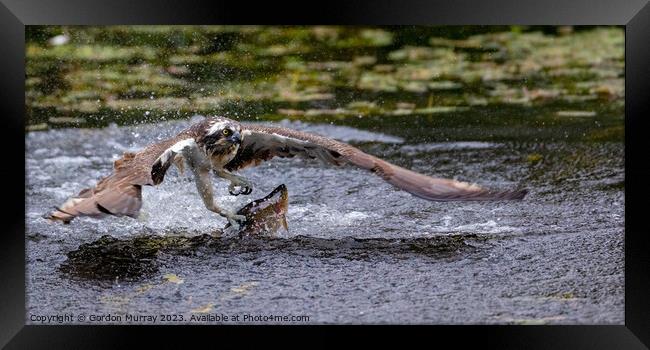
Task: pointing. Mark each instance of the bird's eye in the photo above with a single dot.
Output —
(226, 132)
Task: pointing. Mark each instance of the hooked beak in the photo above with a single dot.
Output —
(235, 138)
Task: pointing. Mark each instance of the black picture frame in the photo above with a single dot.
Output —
(633, 14)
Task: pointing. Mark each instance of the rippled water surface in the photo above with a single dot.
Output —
(357, 250)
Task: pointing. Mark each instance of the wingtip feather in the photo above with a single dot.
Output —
(59, 215)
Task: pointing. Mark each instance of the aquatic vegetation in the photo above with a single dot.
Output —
(131, 74)
(538, 106)
(173, 278)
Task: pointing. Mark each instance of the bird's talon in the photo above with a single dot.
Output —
(237, 188)
(233, 190)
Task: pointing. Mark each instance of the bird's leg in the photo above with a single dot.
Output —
(200, 168)
(245, 186)
(179, 161)
(204, 186)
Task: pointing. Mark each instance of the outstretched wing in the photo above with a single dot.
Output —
(263, 143)
(120, 193)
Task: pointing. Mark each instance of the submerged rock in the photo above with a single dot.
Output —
(111, 258)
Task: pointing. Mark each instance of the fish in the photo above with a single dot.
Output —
(265, 216)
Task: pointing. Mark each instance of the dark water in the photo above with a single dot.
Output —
(357, 250)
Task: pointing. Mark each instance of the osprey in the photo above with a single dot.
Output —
(223, 146)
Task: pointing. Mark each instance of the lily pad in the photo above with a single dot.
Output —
(172, 278)
(580, 114)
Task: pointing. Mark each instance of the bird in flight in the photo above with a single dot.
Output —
(224, 146)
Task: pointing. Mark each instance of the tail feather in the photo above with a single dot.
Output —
(59, 215)
(120, 193)
(125, 200)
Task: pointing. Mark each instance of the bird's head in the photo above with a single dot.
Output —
(221, 135)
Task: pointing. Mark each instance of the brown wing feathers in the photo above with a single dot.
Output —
(437, 189)
(120, 193)
(113, 194)
(264, 143)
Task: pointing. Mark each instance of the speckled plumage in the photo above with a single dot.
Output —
(120, 193)
(264, 146)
